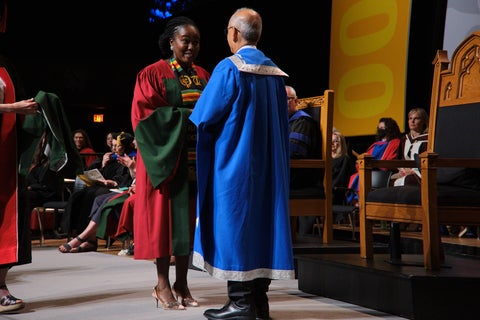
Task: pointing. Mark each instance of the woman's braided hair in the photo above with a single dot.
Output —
(170, 29)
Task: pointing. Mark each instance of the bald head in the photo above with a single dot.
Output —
(249, 23)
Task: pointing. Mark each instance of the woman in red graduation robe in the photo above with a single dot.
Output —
(164, 213)
(15, 245)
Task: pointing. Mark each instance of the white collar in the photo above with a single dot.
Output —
(246, 46)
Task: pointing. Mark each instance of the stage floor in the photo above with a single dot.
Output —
(103, 285)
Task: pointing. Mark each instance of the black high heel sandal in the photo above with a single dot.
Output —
(66, 248)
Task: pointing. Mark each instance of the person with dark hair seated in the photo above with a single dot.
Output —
(87, 239)
(124, 231)
(80, 202)
(84, 146)
(385, 147)
(109, 137)
(41, 183)
(104, 206)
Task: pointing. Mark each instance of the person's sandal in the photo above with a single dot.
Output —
(186, 298)
(90, 245)
(10, 304)
(172, 305)
(66, 248)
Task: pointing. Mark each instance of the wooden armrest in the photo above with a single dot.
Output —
(432, 160)
(393, 164)
(366, 161)
(458, 162)
(307, 163)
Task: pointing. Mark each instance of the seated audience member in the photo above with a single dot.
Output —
(76, 215)
(87, 239)
(413, 143)
(305, 142)
(109, 137)
(124, 230)
(107, 208)
(110, 206)
(108, 140)
(125, 217)
(84, 146)
(343, 167)
(109, 153)
(385, 147)
(41, 183)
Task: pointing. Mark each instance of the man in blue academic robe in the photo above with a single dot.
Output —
(243, 231)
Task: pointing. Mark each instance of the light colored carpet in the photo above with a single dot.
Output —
(95, 285)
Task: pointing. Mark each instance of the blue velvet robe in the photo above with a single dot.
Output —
(243, 227)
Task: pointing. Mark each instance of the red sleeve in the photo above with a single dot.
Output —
(149, 92)
(90, 159)
(391, 152)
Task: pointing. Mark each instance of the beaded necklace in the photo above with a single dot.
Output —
(190, 85)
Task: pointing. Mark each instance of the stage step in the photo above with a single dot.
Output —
(407, 291)
(312, 243)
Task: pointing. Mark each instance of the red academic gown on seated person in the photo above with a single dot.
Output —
(13, 250)
(380, 150)
(125, 223)
(90, 159)
(158, 230)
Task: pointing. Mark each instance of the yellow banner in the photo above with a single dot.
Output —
(368, 63)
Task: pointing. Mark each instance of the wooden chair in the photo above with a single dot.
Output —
(453, 150)
(55, 207)
(317, 200)
(380, 179)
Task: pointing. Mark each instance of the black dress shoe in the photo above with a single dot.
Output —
(231, 311)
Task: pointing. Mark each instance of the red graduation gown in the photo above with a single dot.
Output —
(9, 244)
(154, 218)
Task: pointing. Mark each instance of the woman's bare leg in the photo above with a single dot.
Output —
(180, 287)
(88, 234)
(162, 291)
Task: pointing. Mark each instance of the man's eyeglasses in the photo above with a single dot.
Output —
(291, 98)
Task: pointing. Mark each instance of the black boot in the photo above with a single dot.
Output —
(260, 297)
(240, 305)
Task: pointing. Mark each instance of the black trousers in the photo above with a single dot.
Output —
(248, 293)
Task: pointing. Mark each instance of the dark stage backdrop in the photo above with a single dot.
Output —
(88, 52)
